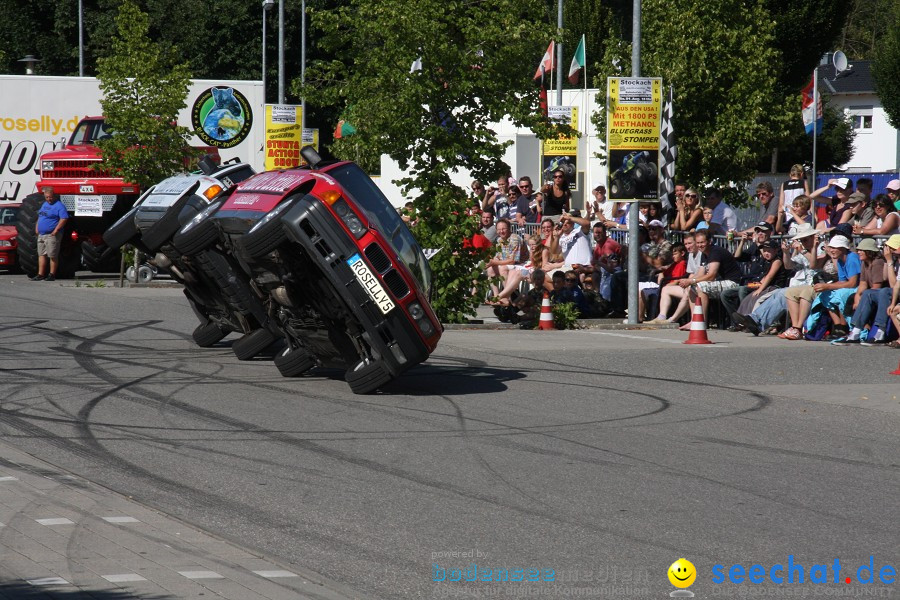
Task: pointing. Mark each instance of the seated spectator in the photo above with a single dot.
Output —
(598, 306)
(768, 211)
(571, 292)
(707, 223)
(672, 267)
(893, 192)
(530, 302)
(721, 272)
(872, 281)
(518, 273)
(800, 214)
(858, 213)
(886, 221)
(605, 259)
(762, 270)
(674, 292)
(509, 252)
(791, 189)
(575, 247)
(688, 213)
(723, 215)
(832, 296)
(804, 256)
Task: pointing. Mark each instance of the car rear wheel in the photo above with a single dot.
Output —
(207, 334)
(292, 362)
(252, 344)
(365, 378)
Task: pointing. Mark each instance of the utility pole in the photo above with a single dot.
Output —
(634, 247)
(559, 53)
(280, 51)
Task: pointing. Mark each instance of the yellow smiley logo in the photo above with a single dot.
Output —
(682, 573)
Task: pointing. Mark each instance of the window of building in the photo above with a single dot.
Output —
(860, 117)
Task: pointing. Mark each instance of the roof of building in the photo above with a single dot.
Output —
(857, 79)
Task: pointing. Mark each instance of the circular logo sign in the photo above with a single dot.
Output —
(221, 117)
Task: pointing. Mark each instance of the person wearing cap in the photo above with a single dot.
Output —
(886, 221)
(893, 192)
(869, 305)
(843, 187)
(831, 296)
(858, 212)
(804, 256)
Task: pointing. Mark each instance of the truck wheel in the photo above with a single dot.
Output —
(366, 378)
(207, 334)
(26, 237)
(100, 259)
(199, 233)
(268, 233)
(123, 231)
(292, 362)
(252, 344)
(163, 230)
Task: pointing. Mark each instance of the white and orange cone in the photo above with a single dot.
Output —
(698, 326)
(897, 372)
(546, 321)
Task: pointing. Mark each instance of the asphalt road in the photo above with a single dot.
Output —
(602, 455)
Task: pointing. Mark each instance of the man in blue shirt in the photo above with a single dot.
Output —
(52, 219)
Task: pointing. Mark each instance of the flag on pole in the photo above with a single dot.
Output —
(543, 103)
(547, 62)
(577, 62)
(343, 129)
(668, 151)
(812, 109)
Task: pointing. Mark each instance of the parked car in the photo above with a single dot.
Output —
(8, 247)
(346, 281)
(215, 285)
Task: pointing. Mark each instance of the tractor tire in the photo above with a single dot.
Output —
(101, 259)
(268, 233)
(294, 362)
(207, 334)
(252, 344)
(25, 233)
(199, 233)
(366, 378)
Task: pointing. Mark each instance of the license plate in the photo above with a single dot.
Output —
(370, 282)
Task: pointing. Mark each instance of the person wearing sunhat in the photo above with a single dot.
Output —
(804, 256)
(893, 192)
(868, 300)
(831, 296)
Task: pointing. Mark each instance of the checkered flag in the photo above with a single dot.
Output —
(667, 153)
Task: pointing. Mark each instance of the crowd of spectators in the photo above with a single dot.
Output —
(813, 266)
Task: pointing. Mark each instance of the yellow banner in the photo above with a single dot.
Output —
(563, 145)
(633, 109)
(284, 136)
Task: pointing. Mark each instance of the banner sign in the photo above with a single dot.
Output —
(284, 136)
(561, 153)
(633, 109)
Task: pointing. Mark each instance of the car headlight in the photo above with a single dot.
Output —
(422, 321)
(47, 165)
(349, 218)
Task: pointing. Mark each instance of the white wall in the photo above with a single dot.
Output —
(875, 149)
(523, 155)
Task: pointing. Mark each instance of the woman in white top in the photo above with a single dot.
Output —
(886, 221)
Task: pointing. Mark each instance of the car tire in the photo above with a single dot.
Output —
(199, 233)
(366, 378)
(162, 231)
(207, 334)
(100, 259)
(124, 231)
(252, 344)
(293, 362)
(25, 233)
(268, 233)
(236, 291)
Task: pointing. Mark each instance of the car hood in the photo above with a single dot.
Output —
(7, 232)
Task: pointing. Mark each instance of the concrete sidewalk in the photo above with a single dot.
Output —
(64, 537)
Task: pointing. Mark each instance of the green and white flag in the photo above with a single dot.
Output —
(577, 63)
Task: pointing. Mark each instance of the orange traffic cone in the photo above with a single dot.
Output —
(897, 372)
(698, 326)
(546, 321)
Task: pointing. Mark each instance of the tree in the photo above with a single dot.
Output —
(833, 148)
(477, 61)
(143, 91)
(886, 68)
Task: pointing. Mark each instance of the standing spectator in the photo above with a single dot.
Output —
(893, 192)
(558, 198)
(864, 186)
(832, 296)
(519, 211)
(488, 229)
(723, 214)
(708, 225)
(527, 189)
(790, 189)
(873, 280)
(52, 217)
(605, 259)
(886, 221)
(688, 212)
(601, 208)
(768, 211)
(478, 192)
(496, 201)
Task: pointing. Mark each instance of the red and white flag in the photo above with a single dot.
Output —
(546, 64)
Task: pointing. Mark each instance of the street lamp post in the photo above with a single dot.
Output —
(80, 39)
(266, 6)
(280, 51)
(303, 64)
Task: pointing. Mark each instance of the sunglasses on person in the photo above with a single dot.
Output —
(690, 195)
(557, 177)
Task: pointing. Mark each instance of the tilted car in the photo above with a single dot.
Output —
(346, 281)
(215, 285)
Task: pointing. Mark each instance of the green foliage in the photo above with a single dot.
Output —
(478, 59)
(794, 20)
(143, 91)
(565, 315)
(866, 24)
(886, 68)
(833, 148)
